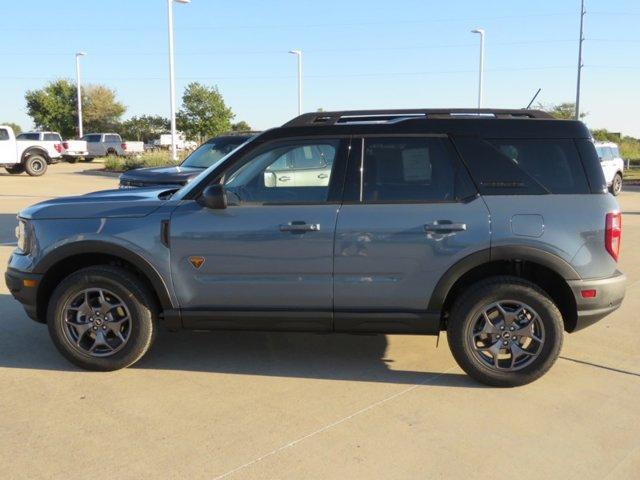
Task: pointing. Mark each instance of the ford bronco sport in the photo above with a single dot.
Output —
(492, 225)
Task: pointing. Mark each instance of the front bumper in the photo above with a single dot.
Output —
(26, 295)
(609, 296)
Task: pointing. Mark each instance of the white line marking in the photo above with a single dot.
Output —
(331, 425)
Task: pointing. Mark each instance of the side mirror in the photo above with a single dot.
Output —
(214, 197)
(269, 179)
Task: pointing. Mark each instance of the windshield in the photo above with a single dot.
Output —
(187, 188)
(209, 153)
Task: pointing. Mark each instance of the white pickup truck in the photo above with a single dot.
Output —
(51, 142)
(104, 144)
(74, 150)
(24, 155)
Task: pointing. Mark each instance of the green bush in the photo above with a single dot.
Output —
(159, 158)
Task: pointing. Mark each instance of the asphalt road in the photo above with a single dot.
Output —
(308, 406)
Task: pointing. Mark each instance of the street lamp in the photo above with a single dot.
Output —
(172, 79)
(79, 92)
(298, 53)
(480, 31)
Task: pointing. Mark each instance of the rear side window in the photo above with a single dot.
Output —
(592, 165)
(4, 134)
(112, 138)
(524, 166)
(412, 170)
(52, 137)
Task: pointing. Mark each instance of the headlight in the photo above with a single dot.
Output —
(23, 235)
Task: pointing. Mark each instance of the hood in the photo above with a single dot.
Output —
(128, 203)
(160, 175)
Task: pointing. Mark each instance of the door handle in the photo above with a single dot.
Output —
(442, 227)
(323, 175)
(300, 227)
(284, 179)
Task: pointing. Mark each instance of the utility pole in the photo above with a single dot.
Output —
(480, 31)
(79, 92)
(580, 65)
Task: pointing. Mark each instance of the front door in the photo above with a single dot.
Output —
(266, 261)
(410, 213)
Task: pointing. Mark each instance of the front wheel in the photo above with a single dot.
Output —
(35, 165)
(102, 318)
(616, 185)
(15, 169)
(505, 331)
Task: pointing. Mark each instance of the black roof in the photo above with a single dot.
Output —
(489, 123)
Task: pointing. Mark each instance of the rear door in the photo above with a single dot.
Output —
(410, 213)
(7, 147)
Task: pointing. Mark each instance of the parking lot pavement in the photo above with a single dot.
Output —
(293, 406)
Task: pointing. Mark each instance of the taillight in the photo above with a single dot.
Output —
(612, 234)
(65, 145)
(58, 147)
(124, 146)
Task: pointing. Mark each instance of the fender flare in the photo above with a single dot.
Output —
(31, 150)
(476, 259)
(99, 247)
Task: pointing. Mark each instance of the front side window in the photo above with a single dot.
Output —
(28, 136)
(91, 138)
(291, 172)
(411, 170)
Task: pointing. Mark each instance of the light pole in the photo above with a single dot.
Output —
(172, 79)
(582, 12)
(79, 92)
(298, 53)
(480, 31)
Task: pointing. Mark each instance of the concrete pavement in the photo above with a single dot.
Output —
(307, 406)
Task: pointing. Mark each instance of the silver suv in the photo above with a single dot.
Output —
(492, 225)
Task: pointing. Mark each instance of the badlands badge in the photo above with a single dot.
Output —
(196, 262)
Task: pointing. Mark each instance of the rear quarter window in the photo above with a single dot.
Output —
(524, 166)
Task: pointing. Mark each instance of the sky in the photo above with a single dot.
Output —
(357, 54)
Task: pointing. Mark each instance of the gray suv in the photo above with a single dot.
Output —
(492, 225)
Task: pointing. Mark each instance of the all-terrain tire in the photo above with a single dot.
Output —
(35, 165)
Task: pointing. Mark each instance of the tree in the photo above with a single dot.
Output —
(54, 107)
(17, 129)
(562, 111)
(100, 110)
(241, 126)
(203, 113)
(144, 128)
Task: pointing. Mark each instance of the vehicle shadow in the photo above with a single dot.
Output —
(25, 344)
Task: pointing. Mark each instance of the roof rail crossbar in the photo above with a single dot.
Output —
(393, 116)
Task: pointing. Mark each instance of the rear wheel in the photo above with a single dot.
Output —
(102, 318)
(505, 331)
(15, 169)
(88, 159)
(35, 165)
(616, 185)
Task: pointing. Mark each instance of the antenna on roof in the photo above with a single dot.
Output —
(534, 97)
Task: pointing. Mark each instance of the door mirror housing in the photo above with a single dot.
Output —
(214, 197)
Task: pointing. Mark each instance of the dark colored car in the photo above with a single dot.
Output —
(202, 157)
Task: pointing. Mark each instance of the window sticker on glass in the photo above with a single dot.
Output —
(416, 165)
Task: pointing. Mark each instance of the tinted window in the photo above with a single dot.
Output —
(92, 138)
(268, 175)
(411, 170)
(28, 136)
(554, 164)
(591, 165)
(209, 153)
(4, 134)
(52, 137)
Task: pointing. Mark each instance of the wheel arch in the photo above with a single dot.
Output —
(69, 258)
(31, 150)
(545, 269)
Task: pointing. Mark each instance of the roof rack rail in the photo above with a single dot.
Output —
(392, 116)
